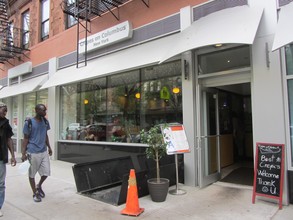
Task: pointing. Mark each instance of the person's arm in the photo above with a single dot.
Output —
(48, 145)
(10, 147)
(24, 147)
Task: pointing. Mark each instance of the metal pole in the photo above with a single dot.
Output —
(177, 191)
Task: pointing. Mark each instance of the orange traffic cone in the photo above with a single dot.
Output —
(132, 204)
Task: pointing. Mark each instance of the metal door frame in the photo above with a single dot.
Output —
(206, 179)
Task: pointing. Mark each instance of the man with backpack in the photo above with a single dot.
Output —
(36, 148)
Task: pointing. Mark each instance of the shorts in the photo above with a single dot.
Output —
(39, 163)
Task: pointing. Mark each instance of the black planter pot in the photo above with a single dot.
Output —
(158, 190)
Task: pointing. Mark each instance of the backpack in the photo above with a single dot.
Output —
(29, 122)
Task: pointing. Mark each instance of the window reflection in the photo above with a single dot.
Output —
(289, 71)
(30, 101)
(123, 107)
(117, 107)
(159, 102)
(290, 98)
(237, 57)
(289, 59)
(14, 123)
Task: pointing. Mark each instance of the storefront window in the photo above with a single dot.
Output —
(290, 99)
(223, 60)
(42, 97)
(289, 59)
(116, 107)
(84, 110)
(70, 99)
(289, 71)
(14, 122)
(123, 107)
(30, 101)
(161, 98)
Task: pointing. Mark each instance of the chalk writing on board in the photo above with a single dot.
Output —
(268, 170)
(268, 173)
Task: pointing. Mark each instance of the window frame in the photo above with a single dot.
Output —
(126, 97)
(25, 38)
(45, 19)
(70, 20)
(288, 77)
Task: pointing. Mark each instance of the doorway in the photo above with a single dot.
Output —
(236, 121)
(226, 151)
(224, 114)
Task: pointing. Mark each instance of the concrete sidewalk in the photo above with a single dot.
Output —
(62, 201)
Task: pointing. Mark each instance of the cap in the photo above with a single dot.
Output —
(2, 105)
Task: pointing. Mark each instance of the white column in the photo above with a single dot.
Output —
(188, 105)
(53, 110)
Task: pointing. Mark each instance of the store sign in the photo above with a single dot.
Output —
(164, 93)
(115, 34)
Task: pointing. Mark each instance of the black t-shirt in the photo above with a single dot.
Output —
(5, 133)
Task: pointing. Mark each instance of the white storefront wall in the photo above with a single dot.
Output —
(267, 92)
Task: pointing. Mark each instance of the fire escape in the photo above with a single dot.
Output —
(84, 11)
(10, 37)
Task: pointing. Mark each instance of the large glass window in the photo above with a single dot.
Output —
(30, 101)
(161, 97)
(25, 27)
(14, 123)
(289, 70)
(45, 15)
(289, 59)
(123, 107)
(117, 107)
(290, 100)
(70, 100)
(234, 58)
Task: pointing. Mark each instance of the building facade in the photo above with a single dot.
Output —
(108, 69)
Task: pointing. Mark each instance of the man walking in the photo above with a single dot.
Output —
(6, 144)
(34, 148)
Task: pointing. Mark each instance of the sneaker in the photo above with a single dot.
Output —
(40, 191)
(1, 214)
(37, 197)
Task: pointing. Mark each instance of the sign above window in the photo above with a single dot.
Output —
(115, 34)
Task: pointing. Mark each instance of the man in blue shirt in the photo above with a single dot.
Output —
(36, 148)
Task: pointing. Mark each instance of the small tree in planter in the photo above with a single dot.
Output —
(157, 148)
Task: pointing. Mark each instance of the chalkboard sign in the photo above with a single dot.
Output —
(268, 171)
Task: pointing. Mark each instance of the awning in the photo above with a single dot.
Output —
(233, 25)
(284, 31)
(134, 57)
(23, 87)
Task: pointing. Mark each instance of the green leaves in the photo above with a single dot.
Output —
(154, 138)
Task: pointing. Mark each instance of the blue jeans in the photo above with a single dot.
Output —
(2, 182)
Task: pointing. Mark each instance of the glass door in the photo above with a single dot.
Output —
(208, 137)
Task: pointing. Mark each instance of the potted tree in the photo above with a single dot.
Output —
(157, 148)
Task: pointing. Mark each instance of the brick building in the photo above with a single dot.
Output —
(221, 68)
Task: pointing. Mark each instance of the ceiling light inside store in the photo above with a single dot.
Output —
(137, 95)
(176, 90)
(218, 45)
